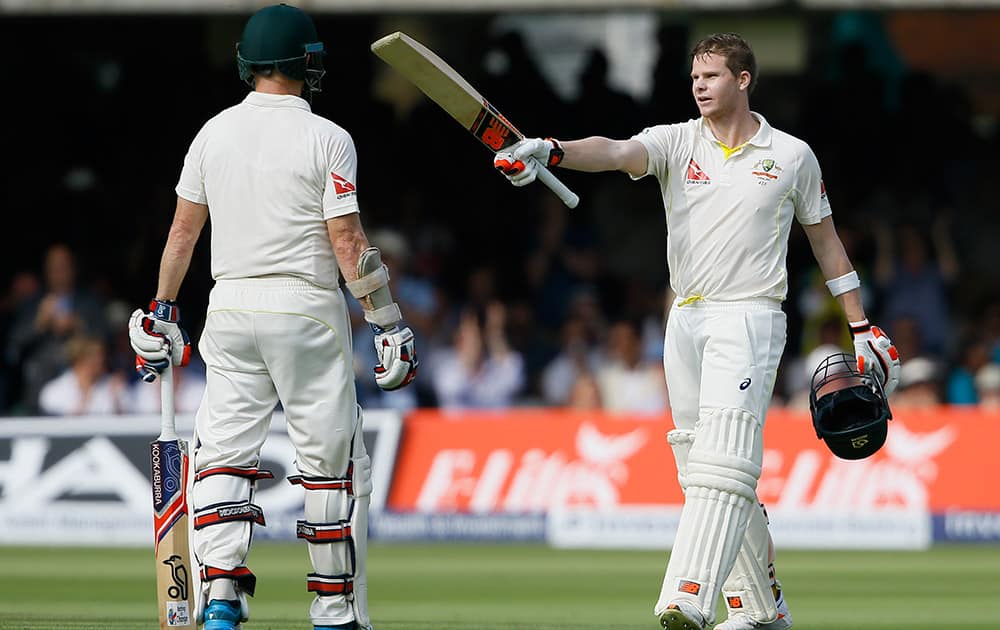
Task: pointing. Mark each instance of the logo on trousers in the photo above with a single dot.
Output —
(745, 384)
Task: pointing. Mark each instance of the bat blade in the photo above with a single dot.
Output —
(168, 456)
(446, 87)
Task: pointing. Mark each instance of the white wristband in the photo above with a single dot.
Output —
(843, 284)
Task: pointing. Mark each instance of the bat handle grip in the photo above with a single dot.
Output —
(570, 198)
(168, 428)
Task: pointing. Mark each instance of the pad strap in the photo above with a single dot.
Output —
(246, 472)
(246, 580)
(330, 584)
(227, 513)
(323, 532)
(326, 483)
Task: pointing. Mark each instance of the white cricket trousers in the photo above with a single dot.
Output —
(267, 339)
(722, 355)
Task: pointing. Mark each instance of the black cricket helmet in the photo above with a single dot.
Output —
(850, 411)
(282, 37)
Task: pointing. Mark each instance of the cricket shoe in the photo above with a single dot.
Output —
(222, 614)
(742, 621)
(682, 615)
(346, 626)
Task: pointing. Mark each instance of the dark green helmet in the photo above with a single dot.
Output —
(281, 37)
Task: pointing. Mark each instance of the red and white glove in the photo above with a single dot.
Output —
(397, 357)
(520, 164)
(876, 354)
(157, 339)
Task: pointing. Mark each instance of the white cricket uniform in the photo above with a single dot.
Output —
(728, 221)
(272, 173)
(728, 213)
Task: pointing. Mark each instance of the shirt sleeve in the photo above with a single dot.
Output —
(191, 185)
(340, 192)
(811, 205)
(661, 142)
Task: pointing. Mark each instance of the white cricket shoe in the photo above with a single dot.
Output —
(742, 621)
(682, 615)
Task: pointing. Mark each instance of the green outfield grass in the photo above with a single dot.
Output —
(498, 587)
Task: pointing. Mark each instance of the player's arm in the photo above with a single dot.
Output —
(834, 263)
(189, 219)
(872, 347)
(156, 336)
(368, 280)
(592, 155)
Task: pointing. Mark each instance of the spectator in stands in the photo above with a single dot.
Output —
(85, 388)
(988, 386)
(627, 381)
(481, 370)
(961, 385)
(585, 394)
(24, 287)
(919, 384)
(579, 355)
(914, 283)
(42, 328)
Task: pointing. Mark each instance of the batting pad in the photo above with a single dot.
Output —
(747, 590)
(721, 480)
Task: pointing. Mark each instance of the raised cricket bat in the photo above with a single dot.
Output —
(453, 94)
(169, 461)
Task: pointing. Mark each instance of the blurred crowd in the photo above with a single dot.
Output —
(518, 301)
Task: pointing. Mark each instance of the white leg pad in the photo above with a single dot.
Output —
(722, 470)
(747, 590)
(336, 528)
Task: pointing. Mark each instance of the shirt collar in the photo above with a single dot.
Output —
(260, 99)
(760, 139)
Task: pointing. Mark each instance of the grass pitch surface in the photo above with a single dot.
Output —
(452, 587)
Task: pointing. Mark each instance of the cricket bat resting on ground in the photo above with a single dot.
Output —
(169, 463)
(453, 94)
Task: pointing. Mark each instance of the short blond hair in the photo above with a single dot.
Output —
(739, 56)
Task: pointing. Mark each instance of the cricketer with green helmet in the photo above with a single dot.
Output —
(279, 184)
(281, 37)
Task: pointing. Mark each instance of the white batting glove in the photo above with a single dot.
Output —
(397, 357)
(152, 349)
(876, 354)
(520, 163)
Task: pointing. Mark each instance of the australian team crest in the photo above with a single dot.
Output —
(766, 171)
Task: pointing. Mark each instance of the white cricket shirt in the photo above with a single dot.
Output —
(272, 173)
(728, 218)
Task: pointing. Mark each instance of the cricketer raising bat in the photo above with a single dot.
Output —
(169, 461)
(453, 94)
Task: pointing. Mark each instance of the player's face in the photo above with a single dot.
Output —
(716, 89)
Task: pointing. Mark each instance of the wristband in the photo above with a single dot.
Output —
(843, 284)
(556, 153)
(859, 327)
(165, 310)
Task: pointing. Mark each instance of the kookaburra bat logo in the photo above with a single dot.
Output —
(180, 576)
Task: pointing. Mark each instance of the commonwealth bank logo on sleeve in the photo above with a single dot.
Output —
(695, 175)
(341, 186)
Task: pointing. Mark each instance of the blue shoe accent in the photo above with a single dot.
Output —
(349, 626)
(222, 614)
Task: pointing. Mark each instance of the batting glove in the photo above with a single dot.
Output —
(520, 164)
(156, 337)
(397, 357)
(876, 354)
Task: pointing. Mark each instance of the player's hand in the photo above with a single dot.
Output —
(397, 357)
(157, 337)
(520, 163)
(876, 354)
